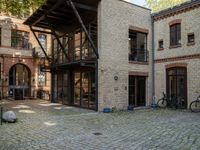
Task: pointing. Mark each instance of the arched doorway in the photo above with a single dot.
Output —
(177, 86)
(19, 82)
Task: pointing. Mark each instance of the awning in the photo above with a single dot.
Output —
(58, 14)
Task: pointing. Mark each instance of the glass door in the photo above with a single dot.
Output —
(84, 89)
(177, 86)
(66, 99)
(137, 91)
(19, 82)
(77, 88)
(141, 91)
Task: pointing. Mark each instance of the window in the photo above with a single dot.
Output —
(20, 39)
(137, 46)
(161, 44)
(175, 34)
(191, 38)
(41, 77)
(43, 40)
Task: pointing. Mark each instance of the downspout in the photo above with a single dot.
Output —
(153, 104)
(3, 75)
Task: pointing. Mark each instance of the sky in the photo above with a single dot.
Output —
(138, 2)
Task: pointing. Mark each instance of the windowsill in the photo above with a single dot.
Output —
(42, 86)
(190, 44)
(138, 62)
(16, 48)
(160, 49)
(175, 46)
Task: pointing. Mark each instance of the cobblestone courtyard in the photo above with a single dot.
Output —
(44, 126)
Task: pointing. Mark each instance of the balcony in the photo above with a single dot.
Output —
(38, 53)
(138, 55)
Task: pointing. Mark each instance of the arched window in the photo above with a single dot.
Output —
(175, 34)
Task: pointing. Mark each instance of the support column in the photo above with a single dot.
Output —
(52, 87)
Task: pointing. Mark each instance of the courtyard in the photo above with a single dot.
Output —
(45, 126)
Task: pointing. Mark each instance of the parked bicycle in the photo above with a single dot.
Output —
(195, 105)
(162, 103)
(170, 102)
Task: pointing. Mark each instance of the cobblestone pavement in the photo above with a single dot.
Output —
(44, 126)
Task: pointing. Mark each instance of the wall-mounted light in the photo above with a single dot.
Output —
(116, 78)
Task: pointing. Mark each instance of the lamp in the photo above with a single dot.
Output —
(115, 78)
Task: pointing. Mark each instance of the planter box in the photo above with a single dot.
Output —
(106, 110)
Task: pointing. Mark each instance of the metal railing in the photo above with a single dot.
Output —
(37, 52)
(140, 55)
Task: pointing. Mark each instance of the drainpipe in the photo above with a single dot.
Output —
(153, 104)
(2, 76)
(3, 73)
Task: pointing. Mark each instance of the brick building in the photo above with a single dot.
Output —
(177, 52)
(111, 53)
(20, 60)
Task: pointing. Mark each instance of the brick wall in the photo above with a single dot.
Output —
(114, 19)
(186, 54)
(10, 56)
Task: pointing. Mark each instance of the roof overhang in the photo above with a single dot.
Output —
(58, 15)
(187, 6)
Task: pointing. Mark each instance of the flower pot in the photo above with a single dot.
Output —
(106, 110)
(130, 108)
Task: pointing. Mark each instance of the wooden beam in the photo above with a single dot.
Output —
(46, 32)
(47, 12)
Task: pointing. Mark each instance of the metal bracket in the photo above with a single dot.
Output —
(83, 26)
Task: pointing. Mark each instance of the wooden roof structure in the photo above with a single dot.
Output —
(59, 15)
(62, 17)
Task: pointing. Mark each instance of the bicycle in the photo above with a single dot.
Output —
(162, 103)
(169, 102)
(195, 105)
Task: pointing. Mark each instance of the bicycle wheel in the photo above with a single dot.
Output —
(162, 103)
(195, 106)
